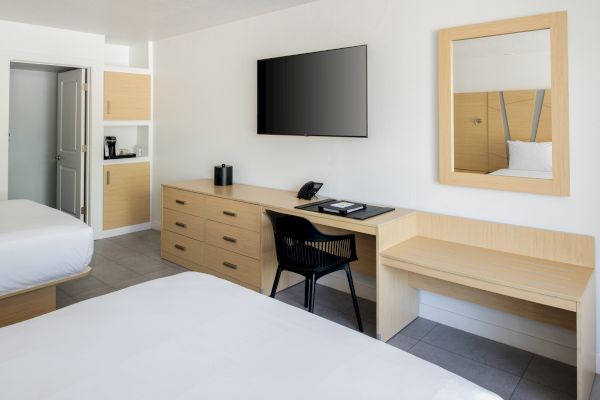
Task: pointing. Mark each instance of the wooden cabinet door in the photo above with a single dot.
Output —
(126, 96)
(126, 194)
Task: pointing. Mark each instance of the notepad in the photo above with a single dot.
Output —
(342, 207)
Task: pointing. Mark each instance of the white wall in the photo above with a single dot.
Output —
(32, 142)
(37, 44)
(205, 114)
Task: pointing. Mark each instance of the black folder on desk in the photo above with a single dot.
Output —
(368, 212)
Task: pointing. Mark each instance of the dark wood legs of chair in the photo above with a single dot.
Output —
(310, 288)
(311, 291)
(354, 299)
(276, 282)
(306, 292)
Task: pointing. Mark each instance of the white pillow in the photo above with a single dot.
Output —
(530, 156)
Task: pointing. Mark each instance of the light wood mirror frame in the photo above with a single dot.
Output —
(560, 182)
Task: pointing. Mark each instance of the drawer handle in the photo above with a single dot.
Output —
(180, 224)
(229, 239)
(180, 247)
(229, 213)
(229, 265)
(180, 202)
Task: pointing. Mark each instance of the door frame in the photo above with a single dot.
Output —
(87, 134)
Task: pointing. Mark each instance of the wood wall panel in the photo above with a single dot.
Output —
(470, 132)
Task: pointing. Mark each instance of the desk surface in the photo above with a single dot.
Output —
(276, 199)
(561, 280)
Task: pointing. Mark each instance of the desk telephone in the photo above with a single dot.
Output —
(309, 190)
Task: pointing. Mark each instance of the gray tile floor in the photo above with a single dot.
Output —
(511, 373)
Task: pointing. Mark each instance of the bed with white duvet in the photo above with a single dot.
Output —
(39, 244)
(194, 336)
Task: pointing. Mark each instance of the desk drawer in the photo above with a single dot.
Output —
(234, 239)
(232, 212)
(237, 266)
(184, 224)
(182, 246)
(183, 201)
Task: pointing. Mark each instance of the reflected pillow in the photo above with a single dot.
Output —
(530, 156)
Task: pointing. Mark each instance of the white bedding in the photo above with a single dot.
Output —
(39, 244)
(194, 336)
(523, 173)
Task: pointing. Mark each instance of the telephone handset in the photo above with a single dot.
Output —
(309, 190)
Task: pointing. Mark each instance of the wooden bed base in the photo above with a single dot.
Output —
(31, 302)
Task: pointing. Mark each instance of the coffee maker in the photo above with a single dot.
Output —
(110, 147)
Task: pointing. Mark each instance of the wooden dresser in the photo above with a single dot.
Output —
(212, 234)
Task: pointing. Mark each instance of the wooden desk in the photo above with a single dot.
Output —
(253, 252)
(533, 281)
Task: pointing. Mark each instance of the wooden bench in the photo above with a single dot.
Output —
(531, 276)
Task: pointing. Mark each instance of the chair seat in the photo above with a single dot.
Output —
(326, 261)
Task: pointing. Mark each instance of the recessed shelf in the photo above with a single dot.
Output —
(130, 138)
(128, 123)
(132, 160)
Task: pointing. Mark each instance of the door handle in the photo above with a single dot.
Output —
(108, 177)
(229, 213)
(107, 107)
(58, 157)
(229, 265)
(229, 239)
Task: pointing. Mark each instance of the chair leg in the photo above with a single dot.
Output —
(276, 282)
(313, 287)
(306, 292)
(354, 299)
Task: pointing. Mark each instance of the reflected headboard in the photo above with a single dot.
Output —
(485, 121)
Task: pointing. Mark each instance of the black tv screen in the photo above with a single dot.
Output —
(314, 94)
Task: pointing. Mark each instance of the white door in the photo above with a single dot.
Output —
(70, 193)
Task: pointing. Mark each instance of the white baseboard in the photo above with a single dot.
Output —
(536, 337)
(123, 231)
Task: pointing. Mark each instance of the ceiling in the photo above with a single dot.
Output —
(129, 21)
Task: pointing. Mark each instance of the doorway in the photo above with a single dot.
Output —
(47, 149)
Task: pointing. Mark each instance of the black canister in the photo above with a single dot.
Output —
(223, 175)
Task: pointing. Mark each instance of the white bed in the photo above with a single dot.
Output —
(523, 174)
(39, 244)
(194, 336)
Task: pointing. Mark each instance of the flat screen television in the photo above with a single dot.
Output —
(314, 94)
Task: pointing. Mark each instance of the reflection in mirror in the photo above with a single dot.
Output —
(502, 105)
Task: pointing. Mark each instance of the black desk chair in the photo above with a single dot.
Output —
(302, 249)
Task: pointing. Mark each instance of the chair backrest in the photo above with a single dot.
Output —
(299, 244)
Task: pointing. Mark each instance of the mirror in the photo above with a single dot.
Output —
(504, 121)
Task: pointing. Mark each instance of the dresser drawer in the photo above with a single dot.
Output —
(184, 224)
(234, 239)
(232, 212)
(181, 246)
(236, 266)
(183, 201)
